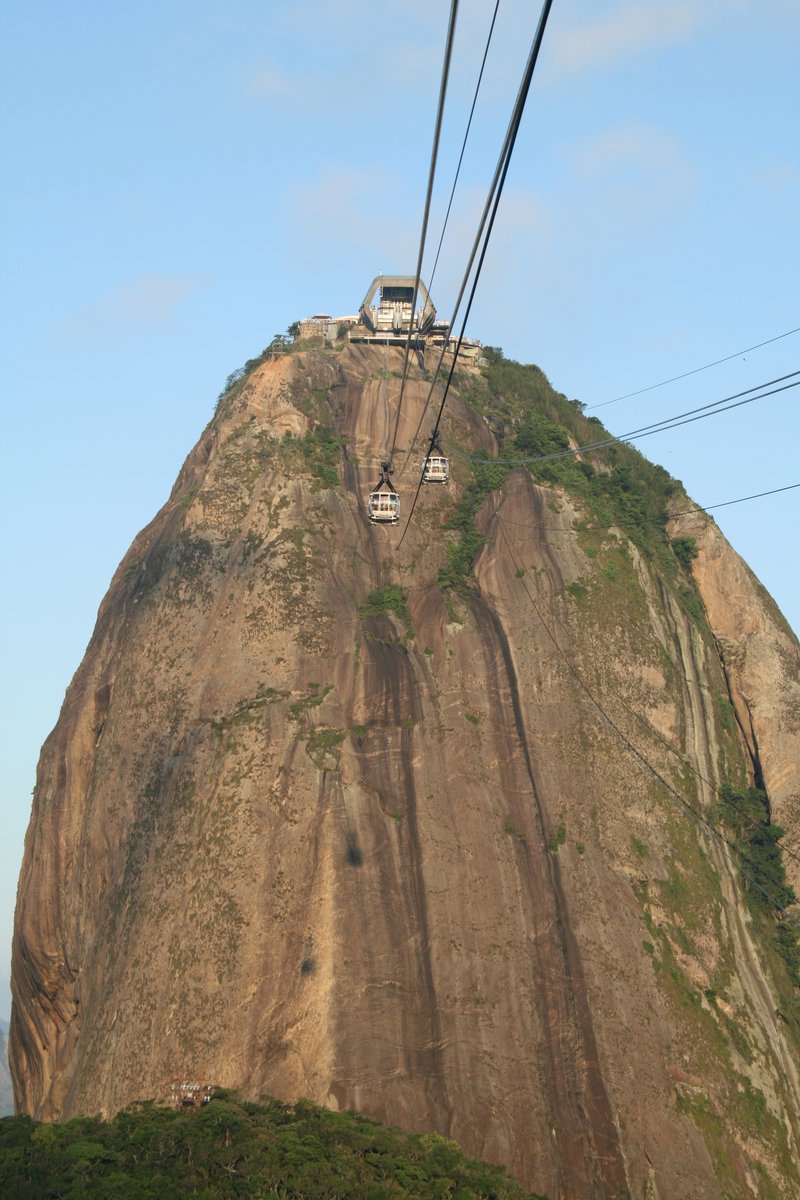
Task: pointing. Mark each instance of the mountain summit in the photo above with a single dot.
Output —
(478, 834)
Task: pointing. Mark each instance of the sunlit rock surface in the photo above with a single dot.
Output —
(401, 862)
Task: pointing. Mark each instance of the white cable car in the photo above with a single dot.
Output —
(384, 503)
(435, 467)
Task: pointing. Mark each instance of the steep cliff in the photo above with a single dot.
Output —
(418, 830)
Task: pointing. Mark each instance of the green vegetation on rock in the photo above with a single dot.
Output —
(392, 600)
(557, 839)
(614, 485)
(232, 1148)
(317, 453)
(685, 550)
(746, 814)
(487, 477)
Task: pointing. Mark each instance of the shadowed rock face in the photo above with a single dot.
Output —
(285, 847)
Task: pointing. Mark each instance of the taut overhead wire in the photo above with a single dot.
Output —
(448, 51)
(697, 818)
(510, 135)
(696, 371)
(674, 422)
(668, 516)
(463, 146)
(494, 199)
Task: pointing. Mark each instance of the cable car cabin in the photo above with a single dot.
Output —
(435, 469)
(384, 502)
(384, 505)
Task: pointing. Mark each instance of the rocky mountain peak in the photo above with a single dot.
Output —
(428, 830)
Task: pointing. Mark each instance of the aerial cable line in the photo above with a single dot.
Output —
(681, 512)
(643, 720)
(698, 818)
(511, 138)
(696, 370)
(670, 516)
(714, 404)
(510, 135)
(751, 822)
(463, 146)
(448, 51)
(740, 500)
(693, 814)
(674, 422)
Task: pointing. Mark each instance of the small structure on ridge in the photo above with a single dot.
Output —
(392, 317)
(183, 1095)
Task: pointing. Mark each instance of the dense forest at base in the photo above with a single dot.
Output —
(233, 1148)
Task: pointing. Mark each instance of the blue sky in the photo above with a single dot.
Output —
(183, 179)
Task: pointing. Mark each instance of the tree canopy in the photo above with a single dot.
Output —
(233, 1148)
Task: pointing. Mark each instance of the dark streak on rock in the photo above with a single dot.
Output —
(355, 857)
(588, 1157)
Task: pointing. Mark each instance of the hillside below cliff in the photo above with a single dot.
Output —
(231, 1148)
(481, 832)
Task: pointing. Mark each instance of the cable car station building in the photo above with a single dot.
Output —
(388, 321)
(385, 318)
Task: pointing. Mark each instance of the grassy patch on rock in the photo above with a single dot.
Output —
(390, 600)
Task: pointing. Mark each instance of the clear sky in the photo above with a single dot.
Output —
(184, 178)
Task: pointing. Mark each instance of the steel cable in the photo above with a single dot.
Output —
(503, 166)
(426, 213)
(463, 146)
(674, 422)
(696, 371)
(510, 134)
(695, 816)
(669, 516)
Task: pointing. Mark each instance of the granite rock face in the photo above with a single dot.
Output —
(309, 825)
(761, 660)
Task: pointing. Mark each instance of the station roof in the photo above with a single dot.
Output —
(398, 281)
